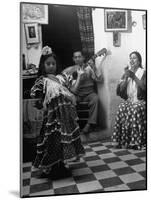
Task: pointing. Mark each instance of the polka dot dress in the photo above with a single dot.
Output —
(130, 125)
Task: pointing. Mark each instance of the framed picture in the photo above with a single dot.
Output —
(116, 20)
(144, 21)
(31, 31)
(116, 39)
(35, 13)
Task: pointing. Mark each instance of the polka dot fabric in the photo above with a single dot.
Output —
(130, 124)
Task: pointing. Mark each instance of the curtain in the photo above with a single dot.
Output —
(84, 15)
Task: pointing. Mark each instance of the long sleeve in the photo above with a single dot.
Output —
(121, 89)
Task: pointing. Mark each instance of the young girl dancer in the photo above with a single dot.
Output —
(59, 140)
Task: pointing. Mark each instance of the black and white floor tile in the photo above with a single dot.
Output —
(101, 169)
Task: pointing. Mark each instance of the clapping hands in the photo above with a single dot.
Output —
(129, 73)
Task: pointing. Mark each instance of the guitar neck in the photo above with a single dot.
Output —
(94, 57)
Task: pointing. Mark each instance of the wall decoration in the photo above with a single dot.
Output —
(116, 20)
(32, 34)
(144, 21)
(35, 13)
(116, 39)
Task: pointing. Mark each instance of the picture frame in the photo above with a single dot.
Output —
(37, 13)
(116, 39)
(32, 34)
(144, 21)
(116, 20)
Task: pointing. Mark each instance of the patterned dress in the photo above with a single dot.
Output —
(59, 138)
(130, 122)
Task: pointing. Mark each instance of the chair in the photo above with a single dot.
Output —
(83, 113)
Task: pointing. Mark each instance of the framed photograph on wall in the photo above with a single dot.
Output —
(116, 39)
(116, 20)
(34, 13)
(32, 34)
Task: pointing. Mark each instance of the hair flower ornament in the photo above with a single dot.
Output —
(46, 51)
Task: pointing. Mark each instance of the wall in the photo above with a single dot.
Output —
(117, 59)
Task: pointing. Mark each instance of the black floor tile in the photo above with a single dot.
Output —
(141, 154)
(91, 158)
(40, 187)
(134, 162)
(138, 185)
(95, 145)
(26, 182)
(78, 165)
(26, 169)
(124, 170)
(84, 178)
(143, 173)
(103, 151)
(36, 173)
(100, 168)
(122, 153)
(67, 190)
(109, 182)
(111, 160)
(88, 150)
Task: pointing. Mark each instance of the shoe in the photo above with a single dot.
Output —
(59, 171)
(135, 147)
(117, 146)
(44, 175)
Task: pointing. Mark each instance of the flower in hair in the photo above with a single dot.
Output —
(46, 51)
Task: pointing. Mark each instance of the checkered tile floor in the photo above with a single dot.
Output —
(101, 169)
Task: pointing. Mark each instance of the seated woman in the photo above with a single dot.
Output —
(130, 123)
(59, 139)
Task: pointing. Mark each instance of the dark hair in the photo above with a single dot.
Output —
(43, 58)
(138, 56)
(76, 50)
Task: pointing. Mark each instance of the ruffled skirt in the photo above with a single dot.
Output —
(59, 138)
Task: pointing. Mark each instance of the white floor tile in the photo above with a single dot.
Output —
(35, 181)
(129, 178)
(43, 193)
(117, 188)
(107, 155)
(26, 190)
(95, 163)
(128, 157)
(92, 153)
(82, 171)
(104, 174)
(27, 164)
(99, 148)
(117, 165)
(139, 167)
(63, 182)
(89, 186)
(26, 175)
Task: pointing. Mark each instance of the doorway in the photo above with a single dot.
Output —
(62, 34)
